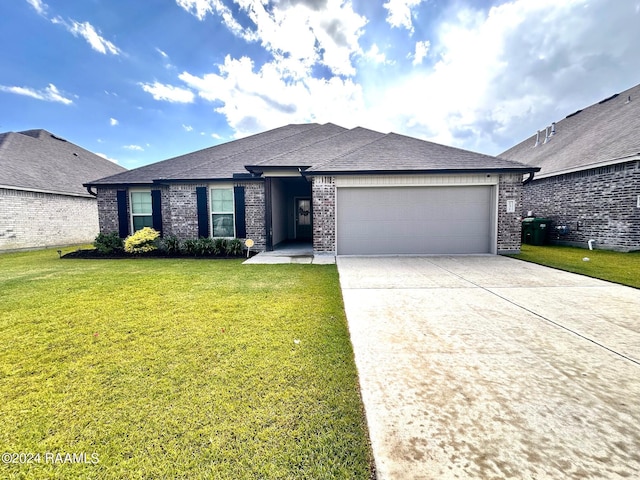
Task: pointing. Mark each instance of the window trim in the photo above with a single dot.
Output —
(131, 214)
(222, 186)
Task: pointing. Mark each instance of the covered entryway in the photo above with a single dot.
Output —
(415, 220)
(289, 216)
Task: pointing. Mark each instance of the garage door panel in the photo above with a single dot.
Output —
(414, 220)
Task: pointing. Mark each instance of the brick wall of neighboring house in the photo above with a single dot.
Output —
(324, 214)
(36, 219)
(599, 204)
(254, 208)
(509, 224)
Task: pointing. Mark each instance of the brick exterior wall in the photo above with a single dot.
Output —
(323, 192)
(509, 224)
(180, 211)
(254, 208)
(107, 210)
(599, 204)
(182, 221)
(36, 220)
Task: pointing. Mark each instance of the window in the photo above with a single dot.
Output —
(222, 221)
(141, 212)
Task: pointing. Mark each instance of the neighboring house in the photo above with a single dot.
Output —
(589, 182)
(42, 200)
(345, 191)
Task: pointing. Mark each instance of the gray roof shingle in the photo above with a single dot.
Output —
(39, 160)
(318, 149)
(604, 133)
(399, 153)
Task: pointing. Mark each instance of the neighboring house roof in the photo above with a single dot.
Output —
(315, 149)
(40, 161)
(602, 134)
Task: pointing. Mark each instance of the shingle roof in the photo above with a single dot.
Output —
(399, 153)
(39, 160)
(318, 149)
(220, 161)
(601, 134)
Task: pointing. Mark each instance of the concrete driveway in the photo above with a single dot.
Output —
(488, 367)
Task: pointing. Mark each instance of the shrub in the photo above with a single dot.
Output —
(190, 246)
(171, 245)
(220, 246)
(234, 248)
(142, 241)
(206, 246)
(108, 242)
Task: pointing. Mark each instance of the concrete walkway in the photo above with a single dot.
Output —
(488, 367)
(291, 253)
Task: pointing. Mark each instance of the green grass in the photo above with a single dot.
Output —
(623, 268)
(177, 369)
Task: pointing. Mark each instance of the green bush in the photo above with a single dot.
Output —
(234, 248)
(190, 246)
(142, 241)
(219, 246)
(171, 245)
(108, 242)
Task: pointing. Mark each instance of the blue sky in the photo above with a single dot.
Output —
(141, 81)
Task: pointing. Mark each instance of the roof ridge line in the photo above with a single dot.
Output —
(306, 146)
(228, 157)
(349, 152)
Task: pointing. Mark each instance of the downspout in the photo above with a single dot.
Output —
(528, 180)
(94, 194)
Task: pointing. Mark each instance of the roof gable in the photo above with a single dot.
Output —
(39, 160)
(604, 133)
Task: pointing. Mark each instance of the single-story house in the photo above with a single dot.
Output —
(345, 191)
(589, 181)
(42, 199)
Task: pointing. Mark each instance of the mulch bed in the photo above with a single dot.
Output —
(95, 254)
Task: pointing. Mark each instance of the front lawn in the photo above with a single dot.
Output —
(615, 267)
(161, 368)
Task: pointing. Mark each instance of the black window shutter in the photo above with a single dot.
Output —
(123, 217)
(238, 200)
(156, 210)
(203, 214)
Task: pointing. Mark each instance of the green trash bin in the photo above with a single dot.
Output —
(534, 230)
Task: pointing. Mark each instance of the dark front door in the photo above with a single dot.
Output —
(303, 219)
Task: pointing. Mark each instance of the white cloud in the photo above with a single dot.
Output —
(326, 32)
(216, 136)
(400, 13)
(506, 72)
(257, 100)
(137, 148)
(38, 5)
(168, 93)
(106, 157)
(376, 56)
(113, 122)
(89, 33)
(49, 94)
(162, 53)
(187, 128)
(200, 8)
(422, 48)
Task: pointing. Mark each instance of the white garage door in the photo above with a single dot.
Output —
(414, 220)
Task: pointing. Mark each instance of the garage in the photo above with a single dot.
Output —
(399, 220)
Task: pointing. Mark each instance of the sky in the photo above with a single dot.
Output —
(142, 81)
